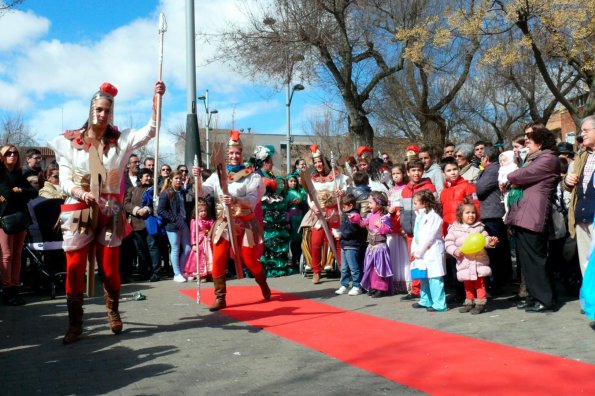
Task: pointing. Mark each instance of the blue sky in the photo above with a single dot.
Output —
(54, 55)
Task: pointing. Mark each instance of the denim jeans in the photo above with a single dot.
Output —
(180, 248)
(350, 265)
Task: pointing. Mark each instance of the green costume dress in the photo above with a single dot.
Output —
(276, 229)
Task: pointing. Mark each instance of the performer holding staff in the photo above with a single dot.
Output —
(245, 190)
(93, 158)
(328, 185)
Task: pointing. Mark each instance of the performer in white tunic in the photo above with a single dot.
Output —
(93, 158)
(329, 185)
(246, 190)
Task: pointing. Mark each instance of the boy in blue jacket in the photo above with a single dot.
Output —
(352, 240)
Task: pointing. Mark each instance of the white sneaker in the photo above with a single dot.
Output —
(328, 267)
(179, 279)
(341, 290)
(308, 268)
(190, 278)
(355, 291)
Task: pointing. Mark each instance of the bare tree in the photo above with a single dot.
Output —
(15, 131)
(346, 44)
(6, 6)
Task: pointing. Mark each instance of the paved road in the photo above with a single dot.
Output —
(173, 346)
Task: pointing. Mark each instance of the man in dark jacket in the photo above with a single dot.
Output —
(137, 214)
(492, 211)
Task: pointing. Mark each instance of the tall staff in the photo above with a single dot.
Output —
(197, 193)
(162, 30)
(333, 167)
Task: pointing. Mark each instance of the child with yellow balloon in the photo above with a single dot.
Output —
(466, 240)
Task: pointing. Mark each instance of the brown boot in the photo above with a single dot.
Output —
(112, 302)
(220, 292)
(75, 319)
(467, 306)
(261, 279)
(316, 279)
(480, 306)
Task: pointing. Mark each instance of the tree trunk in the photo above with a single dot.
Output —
(360, 129)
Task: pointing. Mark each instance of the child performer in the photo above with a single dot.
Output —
(201, 245)
(397, 241)
(472, 269)
(352, 240)
(378, 274)
(427, 249)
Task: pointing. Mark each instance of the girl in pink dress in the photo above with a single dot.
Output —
(202, 244)
(397, 240)
(378, 275)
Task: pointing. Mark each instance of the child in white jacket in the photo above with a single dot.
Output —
(427, 252)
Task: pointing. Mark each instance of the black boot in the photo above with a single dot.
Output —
(220, 292)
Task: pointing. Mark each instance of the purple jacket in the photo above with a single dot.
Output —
(473, 266)
(538, 180)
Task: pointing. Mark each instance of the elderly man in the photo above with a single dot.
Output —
(582, 202)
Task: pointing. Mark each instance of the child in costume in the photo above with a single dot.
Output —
(378, 274)
(427, 252)
(201, 244)
(397, 240)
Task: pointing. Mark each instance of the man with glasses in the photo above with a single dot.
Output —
(131, 177)
(33, 165)
(582, 202)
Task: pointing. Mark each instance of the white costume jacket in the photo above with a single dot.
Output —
(73, 158)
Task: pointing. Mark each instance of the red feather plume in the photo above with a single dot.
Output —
(314, 148)
(234, 135)
(363, 149)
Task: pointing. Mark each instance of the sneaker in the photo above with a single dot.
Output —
(190, 278)
(341, 290)
(328, 267)
(307, 268)
(355, 291)
(179, 279)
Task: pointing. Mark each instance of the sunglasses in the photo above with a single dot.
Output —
(184, 170)
(165, 170)
(55, 176)
(11, 153)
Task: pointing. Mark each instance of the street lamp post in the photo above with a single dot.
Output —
(209, 114)
(290, 91)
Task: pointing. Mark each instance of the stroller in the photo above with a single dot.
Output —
(43, 260)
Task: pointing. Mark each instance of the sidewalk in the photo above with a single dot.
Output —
(171, 345)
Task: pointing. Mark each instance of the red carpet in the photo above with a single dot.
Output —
(428, 360)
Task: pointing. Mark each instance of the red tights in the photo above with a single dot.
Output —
(108, 261)
(221, 251)
(317, 238)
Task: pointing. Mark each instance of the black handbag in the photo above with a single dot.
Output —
(14, 223)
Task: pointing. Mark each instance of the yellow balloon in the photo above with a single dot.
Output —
(474, 243)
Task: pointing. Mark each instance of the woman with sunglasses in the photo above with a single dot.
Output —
(95, 221)
(51, 183)
(15, 191)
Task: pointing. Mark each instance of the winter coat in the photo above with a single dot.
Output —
(489, 194)
(579, 168)
(132, 204)
(538, 179)
(353, 235)
(407, 210)
(472, 266)
(452, 196)
(435, 174)
(427, 245)
(170, 211)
